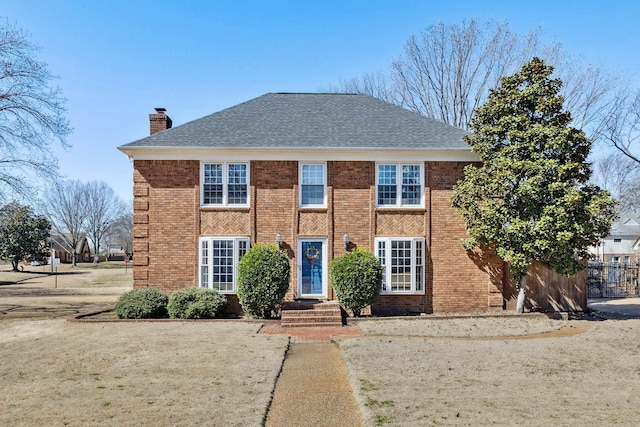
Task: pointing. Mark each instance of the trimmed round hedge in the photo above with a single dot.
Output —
(142, 303)
(356, 278)
(263, 280)
(197, 303)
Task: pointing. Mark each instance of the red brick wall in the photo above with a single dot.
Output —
(399, 304)
(461, 281)
(274, 205)
(351, 208)
(168, 222)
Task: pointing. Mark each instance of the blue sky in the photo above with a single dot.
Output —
(117, 60)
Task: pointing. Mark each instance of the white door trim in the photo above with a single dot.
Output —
(324, 268)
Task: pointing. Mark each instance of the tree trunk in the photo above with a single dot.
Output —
(14, 264)
(521, 295)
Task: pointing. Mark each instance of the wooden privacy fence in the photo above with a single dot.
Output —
(612, 280)
(549, 291)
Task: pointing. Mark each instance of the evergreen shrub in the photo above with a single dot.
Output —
(263, 280)
(142, 303)
(356, 277)
(197, 303)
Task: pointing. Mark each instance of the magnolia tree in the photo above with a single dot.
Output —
(530, 198)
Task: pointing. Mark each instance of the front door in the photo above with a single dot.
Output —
(312, 268)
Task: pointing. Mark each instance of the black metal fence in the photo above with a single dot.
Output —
(612, 280)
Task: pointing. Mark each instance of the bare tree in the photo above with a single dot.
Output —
(375, 84)
(121, 233)
(31, 114)
(65, 206)
(448, 70)
(621, 176)
(622, 127)
(103, 210)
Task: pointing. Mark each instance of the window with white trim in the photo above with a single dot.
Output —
(219, 258)
(399, 184)
(225, 184)
(313, 185)
(402, 261)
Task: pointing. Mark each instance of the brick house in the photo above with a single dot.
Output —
(321, 174)
(60, 248)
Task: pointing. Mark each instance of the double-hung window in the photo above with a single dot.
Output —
(219, 258)
(225, 184)
(399, 184)
(402, 261)
(313, 185)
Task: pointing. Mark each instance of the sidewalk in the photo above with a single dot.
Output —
(314, 389)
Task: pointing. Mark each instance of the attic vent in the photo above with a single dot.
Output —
(617, 240)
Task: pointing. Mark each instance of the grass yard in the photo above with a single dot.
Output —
(107, 281)
(473, 372)
(167, 374)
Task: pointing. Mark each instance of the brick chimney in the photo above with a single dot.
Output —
(159, 121)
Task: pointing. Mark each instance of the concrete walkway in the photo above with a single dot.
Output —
(314, 389)
(616, 308)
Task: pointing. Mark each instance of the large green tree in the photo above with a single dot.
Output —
(23, 234)
(529, 199)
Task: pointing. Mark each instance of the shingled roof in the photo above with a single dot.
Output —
(311, 120)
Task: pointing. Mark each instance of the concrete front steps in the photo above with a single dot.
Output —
(310, 313)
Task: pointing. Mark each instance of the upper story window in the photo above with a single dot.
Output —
(399, 185)
(313, 185)
(225, 184)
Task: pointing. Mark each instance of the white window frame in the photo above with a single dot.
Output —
(385, 258)
(225, 184)
(324, 185)
(398, 184)
(205, 259)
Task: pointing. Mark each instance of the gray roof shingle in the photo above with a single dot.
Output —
(311, 120)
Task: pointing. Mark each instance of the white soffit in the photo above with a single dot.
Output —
(315, 154)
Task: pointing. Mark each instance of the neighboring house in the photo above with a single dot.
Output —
(321, 174)
(623, 244)
(61, 249)
(116, 253)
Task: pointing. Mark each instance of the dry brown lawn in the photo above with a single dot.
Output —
(54, 372)
(475, 372)
(423, 372)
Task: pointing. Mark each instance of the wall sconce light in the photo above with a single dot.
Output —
(278, 239)
(345, 239)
